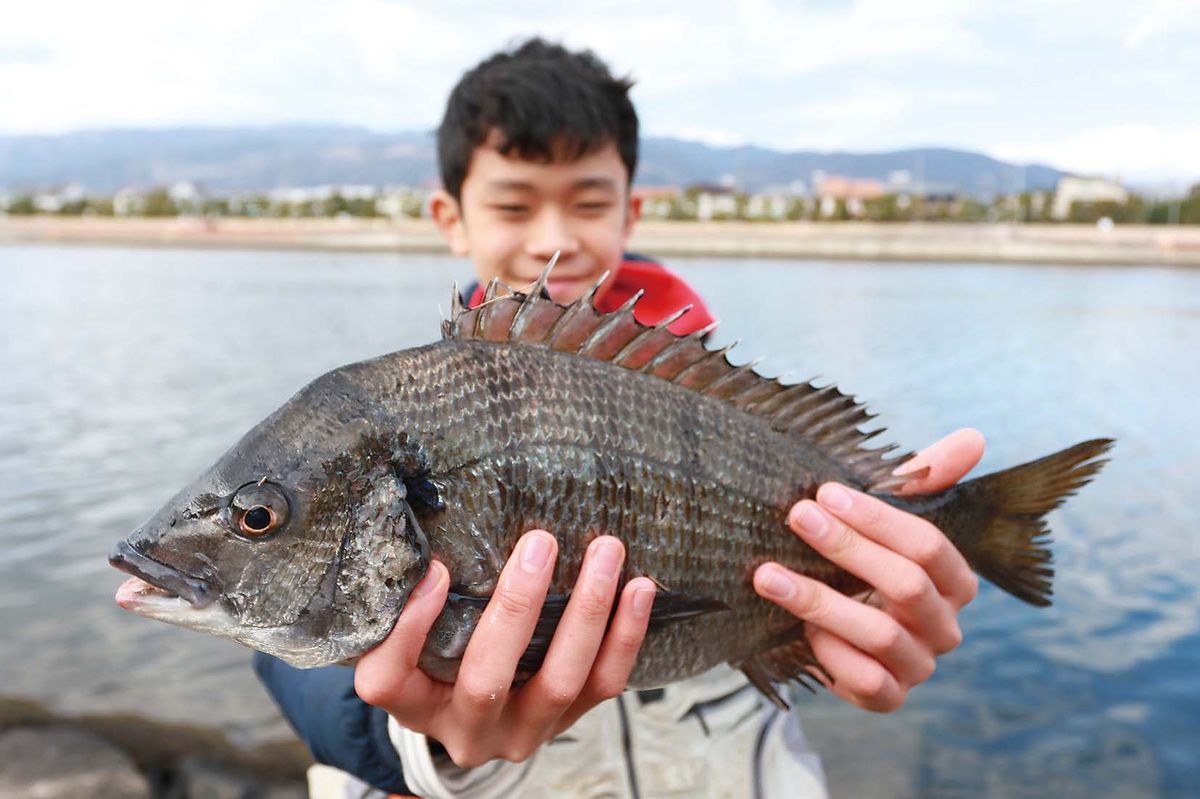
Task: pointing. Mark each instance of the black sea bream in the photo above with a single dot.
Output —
(305, 539)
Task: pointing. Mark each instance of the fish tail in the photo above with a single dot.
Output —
(998, 521)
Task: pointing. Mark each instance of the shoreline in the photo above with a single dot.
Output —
(1138, 245)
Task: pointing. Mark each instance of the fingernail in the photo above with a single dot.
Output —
(810, 519)
(643, 598)
(535, 553)
(835, 498)
(775, 583)
(432, 579)
(605, 559)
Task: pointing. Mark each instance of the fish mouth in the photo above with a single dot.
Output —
(154, 582)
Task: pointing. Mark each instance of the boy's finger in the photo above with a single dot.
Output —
(889, 572)
(911, 537)
(577, 639)
(618, 654)
(504, 630)
(948, 460)
(868, 629)
(858, 678)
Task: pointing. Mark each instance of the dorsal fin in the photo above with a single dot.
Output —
(824, 416)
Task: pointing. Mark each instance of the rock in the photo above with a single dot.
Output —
(201, 778)
(58, 762)
(297, 791)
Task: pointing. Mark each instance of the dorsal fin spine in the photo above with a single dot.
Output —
(642, 337)
(564, 320)
(521, 316)
(671, 319)
(530, 299)
(754, 394)
(539, 285)
(450, 326)
(737, 372)
(483, 310)
(771, 406)
(665, 355)
(493, 287)
(714, 355)
(829, 414)
(612, 320)
(632, 347)
(574, 308)
(807, 409)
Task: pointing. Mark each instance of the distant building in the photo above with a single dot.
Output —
(776, 201)
(185, 193)
(851, 192)
(1073, 190)
(128, 202)
(358, 192)
(402, 201)
(899, 180)
(657, 201)
(714, 200)
(47, 202)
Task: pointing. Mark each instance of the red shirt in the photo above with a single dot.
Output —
(665, 294)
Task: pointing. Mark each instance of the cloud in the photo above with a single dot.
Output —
(133, 62)
(1130, 151)
(1162, 17)
(862, 74)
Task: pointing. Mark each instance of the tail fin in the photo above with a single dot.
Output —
(998, 521)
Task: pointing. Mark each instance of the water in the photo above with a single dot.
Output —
(126, 372)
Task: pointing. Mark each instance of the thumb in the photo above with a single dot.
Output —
(947, 460)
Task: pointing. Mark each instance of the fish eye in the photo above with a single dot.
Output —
(259, 510)
(257, 520)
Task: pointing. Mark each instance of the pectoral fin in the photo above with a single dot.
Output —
(669, 608)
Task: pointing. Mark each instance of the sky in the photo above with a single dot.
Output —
(1094, 86)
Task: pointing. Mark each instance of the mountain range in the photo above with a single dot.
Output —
(232, 159)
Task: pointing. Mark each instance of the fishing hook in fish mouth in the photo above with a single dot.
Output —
(196, 591)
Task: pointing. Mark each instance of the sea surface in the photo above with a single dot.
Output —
(126, 372)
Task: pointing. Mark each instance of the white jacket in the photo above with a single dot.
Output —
(711, 736)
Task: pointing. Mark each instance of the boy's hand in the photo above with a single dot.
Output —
(480, 716)
(876, 654)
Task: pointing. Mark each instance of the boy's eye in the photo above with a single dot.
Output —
(594, 207)
(506, 208)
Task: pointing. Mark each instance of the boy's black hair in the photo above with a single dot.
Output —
(545, 101)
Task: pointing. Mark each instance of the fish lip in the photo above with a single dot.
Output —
(196, 591)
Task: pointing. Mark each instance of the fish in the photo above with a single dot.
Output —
(306, 537)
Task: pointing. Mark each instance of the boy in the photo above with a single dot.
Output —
(537, 151)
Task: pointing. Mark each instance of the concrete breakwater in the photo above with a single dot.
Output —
(997, 243)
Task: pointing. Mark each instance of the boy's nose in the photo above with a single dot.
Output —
(549, 233)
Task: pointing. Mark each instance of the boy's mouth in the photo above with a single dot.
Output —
(563, 289)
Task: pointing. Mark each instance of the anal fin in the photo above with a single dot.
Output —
(791, 661)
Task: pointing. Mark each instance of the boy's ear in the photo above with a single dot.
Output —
(632, 213)
(447, 214)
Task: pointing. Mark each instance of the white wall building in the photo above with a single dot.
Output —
(1086, 190)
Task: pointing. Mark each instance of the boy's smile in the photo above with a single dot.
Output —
(515, 214)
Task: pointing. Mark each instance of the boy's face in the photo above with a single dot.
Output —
(515, 214)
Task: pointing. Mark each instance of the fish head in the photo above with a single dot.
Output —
(299, 542)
